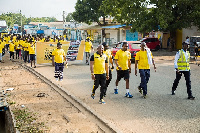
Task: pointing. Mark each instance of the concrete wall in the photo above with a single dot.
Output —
(9, 124)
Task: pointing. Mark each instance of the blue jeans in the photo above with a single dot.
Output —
(144, 74)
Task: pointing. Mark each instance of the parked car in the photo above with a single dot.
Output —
(152, 43)
(133, 47)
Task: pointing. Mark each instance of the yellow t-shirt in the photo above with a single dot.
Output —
(51, 40)
(12, 47)
(7, 40)
(17, 45)
(31, 49)
(26, 45)
(21, 42)
(142, 58)
(88, 46)
(1, 47)
(123, 57)
(42, 40)
(14, 38)
(3, 43)
(61, 41)
(99, 63)
(58, 55)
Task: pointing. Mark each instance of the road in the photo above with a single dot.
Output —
(159, 113)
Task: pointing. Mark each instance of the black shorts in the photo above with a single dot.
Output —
(122, 74)
(32, 57)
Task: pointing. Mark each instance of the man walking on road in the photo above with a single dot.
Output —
(107, 52)
(123, 64)
(143, 59)
(181, 64)
(88, 47)
(99, 72)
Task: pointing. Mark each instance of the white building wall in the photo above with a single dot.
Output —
(122, 34)
(113, 35)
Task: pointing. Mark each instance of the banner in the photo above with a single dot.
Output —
(81, 51)
(44, 51)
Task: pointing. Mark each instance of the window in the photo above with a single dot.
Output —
(135, 45)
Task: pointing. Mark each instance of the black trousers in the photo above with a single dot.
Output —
(17, 53)
(12, 55)
(100, 79)
(26, 56)
(188, 81)
(108, 81)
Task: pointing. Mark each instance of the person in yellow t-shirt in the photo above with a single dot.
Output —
(21, 42)
(12, 50)
(18, 49)
(51, 40)
(42, 40)
(88, 47)
(1, 51)
(14, 38)
(142, 61)
(26, 51)
(3, 43)
(99, 72)
(32, 53)
(59, 60)
(108, 53)
(7, 38)
(62, 40)
(123, 64)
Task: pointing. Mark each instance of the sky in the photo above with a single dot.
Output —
(38, 8)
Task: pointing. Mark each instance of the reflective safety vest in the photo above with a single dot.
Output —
(182, 63)
(99, 64)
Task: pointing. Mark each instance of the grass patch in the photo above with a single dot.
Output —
(26, 122)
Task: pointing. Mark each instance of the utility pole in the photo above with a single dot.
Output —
(63, 17)
(21, 21)
(63, 21)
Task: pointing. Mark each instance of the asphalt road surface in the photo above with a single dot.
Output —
(159, 113)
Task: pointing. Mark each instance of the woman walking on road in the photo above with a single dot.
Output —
(58, 60)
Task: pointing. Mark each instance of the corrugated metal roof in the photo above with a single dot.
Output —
(113, 26)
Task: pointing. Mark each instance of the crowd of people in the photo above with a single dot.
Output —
(101, 70)
(101, 62)
(23, 47)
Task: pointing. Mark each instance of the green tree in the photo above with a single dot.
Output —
(89, 11)
(12, 18)
(167, 15)
(69, 17)
(15, 18)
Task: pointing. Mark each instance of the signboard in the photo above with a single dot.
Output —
(81, 50)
